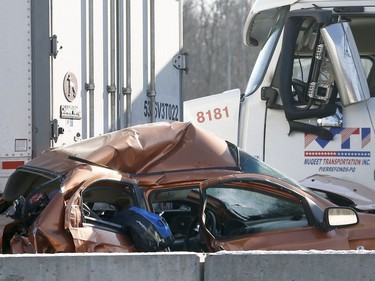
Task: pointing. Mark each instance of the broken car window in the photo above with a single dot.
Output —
(35, 190)
(246, 211)
(105, 201)
(180, 208)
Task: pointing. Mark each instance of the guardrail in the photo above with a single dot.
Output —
(251, 265)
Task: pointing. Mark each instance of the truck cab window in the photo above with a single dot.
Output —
(301, 71)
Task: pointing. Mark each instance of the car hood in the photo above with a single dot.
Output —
(362, 197)
(145, 148)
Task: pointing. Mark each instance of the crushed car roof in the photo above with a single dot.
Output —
(144, 149)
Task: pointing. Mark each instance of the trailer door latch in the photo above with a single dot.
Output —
(56, 130)
(53, 42)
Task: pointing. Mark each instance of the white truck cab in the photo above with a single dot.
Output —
(309, 106)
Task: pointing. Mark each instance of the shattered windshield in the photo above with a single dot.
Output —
(250, 164)
(248, 204)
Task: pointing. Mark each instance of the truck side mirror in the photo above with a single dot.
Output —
(346, 62)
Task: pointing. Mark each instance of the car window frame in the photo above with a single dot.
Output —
(261, 183)
(258, 218)
(99, 222)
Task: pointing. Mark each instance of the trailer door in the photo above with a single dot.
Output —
(67, 74)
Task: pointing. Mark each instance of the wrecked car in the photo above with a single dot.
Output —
(205, 193)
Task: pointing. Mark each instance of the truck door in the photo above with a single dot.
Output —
(321, 127)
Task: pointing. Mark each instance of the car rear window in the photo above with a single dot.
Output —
(24, 182)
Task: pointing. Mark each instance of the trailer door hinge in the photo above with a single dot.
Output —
(180, 62)
(53, 42)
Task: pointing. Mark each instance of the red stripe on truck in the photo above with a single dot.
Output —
(11, 165)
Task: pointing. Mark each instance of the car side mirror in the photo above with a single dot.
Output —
(340, 217)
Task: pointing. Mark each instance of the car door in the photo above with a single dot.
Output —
(90, 213)
(256, 212)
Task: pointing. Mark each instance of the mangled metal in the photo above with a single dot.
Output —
(77, 199)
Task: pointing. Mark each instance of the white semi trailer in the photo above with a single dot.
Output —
(70, 70)
(309, 106)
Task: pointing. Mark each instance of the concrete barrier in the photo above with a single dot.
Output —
(228, 266)
(294, 265)
(101, 267)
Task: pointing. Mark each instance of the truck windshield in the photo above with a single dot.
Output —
(278, 16)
